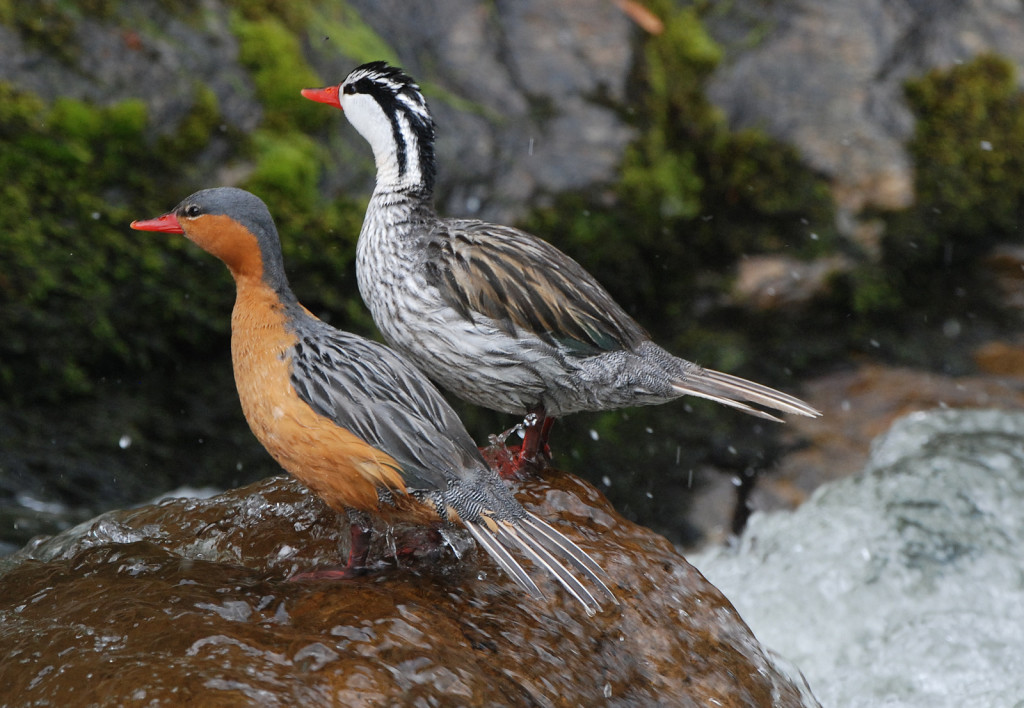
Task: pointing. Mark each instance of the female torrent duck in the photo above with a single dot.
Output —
(348, 417)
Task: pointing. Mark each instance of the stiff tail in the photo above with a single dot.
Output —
(733, 391)
(545, 547)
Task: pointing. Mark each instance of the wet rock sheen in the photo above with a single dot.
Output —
(189, 601)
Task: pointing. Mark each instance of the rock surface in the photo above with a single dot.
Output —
(827, 77)
(188, 601)
(901, 585)
(542, 78)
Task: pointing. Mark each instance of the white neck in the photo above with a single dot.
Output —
(390, 152)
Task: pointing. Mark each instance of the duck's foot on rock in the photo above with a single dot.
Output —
(511, 463)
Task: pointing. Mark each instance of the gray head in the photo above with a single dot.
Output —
(233, 225)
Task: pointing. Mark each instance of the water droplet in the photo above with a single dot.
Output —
(125, 442)
(594, 436)
(986, 146)
(606, 481)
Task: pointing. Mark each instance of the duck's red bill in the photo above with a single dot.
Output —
(328, 95)
(168, 223)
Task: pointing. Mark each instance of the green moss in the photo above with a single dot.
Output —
(198, 125)
(72, 175)
(733, 193)
(293, 15)
(78, 284)
(50, 25)
(287, 171)
(661, 171)
(968, 152)
(18, 111)
(45, 24)
(343, 31)
(97, 9)
(273, 55)
(872, 291)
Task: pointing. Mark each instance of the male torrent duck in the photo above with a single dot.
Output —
(495, 315)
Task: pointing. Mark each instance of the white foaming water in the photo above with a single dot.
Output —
(902, 586)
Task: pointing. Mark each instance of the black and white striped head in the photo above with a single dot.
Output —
(387, 108)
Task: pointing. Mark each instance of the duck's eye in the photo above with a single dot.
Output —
(192, 211)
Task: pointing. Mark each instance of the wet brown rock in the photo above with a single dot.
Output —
(1001, 359)
(189, 601)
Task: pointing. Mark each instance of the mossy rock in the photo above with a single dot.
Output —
(968, 151)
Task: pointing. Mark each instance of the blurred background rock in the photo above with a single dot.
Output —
(824, 197)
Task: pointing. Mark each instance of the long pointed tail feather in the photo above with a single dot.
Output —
(545, 547)
(543, 559)
(557, 543)
(732, 391)
(502, 557)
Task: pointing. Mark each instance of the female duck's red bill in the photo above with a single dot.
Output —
(328, 95)
(167, 223)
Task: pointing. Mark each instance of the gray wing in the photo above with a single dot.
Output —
(369, 390)
(522, 282)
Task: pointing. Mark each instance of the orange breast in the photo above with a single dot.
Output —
(337, 465)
